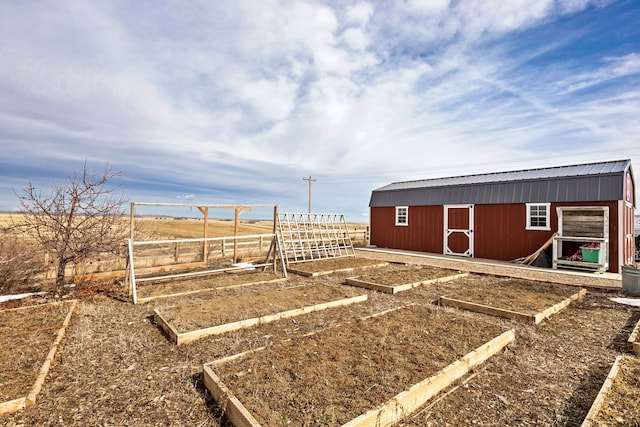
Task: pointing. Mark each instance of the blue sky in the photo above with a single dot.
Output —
(227, 102)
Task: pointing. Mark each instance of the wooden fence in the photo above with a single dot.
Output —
(113, 265)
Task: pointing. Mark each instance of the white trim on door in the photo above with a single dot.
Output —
(467, 232)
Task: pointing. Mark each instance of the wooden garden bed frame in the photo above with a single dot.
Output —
(509, 314)
(633, 343)
(395, 409)
(339, 270)
(601, 398)
(393, 289)
(15, 405)
(142, 300)
(187, 337)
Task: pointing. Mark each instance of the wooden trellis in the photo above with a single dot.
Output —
(313, 236)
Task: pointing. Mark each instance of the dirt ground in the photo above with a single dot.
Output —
(191, 313)
(214, 282)
(623, 396)
(338, 374)
(405, 275)
(523, 296)
(332, 265)
(117, 368)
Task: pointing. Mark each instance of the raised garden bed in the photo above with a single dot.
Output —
(177, 288)
(371, 371)
(392, 282)
(617, 402)
(633, 344)
(34, 334)
(187, 321)
(333, 265)
(526, 301)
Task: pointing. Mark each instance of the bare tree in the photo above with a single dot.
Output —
(79, 219)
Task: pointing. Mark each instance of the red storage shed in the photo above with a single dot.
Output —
(509, 215)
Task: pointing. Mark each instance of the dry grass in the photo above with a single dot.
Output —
(30, 333)
(405, 275)
(517, 295)
(329, 378)
(117, 368)
(198, 312)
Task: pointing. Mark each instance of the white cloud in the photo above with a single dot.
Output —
(355, 38)
(573, 6)
(428, 7)
(272, 99)
(359, 13)
(611, 68)
(497, 16)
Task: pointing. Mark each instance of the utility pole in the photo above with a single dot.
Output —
(310, 181)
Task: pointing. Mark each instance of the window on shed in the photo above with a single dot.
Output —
(402, 215)
(538, 216)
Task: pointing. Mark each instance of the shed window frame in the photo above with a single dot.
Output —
(402, 216)
(534, 217)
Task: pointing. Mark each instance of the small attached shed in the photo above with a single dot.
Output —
(510, 215)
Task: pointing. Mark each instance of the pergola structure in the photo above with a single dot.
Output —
(205, 240)
(204, 209)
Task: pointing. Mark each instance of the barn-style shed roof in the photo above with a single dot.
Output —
(602, 181)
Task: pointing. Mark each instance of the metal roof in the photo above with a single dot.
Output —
(583, 182)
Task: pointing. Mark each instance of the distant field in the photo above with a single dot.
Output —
(182, 228)
(177, 228)
(154, 228)
(167, 228)
(5, 219)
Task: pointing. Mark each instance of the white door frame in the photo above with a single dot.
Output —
(449, 231)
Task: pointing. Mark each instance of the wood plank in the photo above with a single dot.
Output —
(558, 307)
(398, 407)
(633, 343)
(164, 324)
(227, 402)
(187, 337)
(198, 291)
(354, 281)
(408, 401)
(392, 289)
(583, 264)
(25, 402)
(602, 395)
(405, 287)
(32, 307)
(11, 406)
(481, 308)
(339, 270)
(44, 369)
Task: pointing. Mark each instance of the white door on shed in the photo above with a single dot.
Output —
(458, 230)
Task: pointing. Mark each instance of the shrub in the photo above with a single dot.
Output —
(20, 263)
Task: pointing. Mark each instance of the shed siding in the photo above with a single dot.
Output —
(500, 230)
(424, 232)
